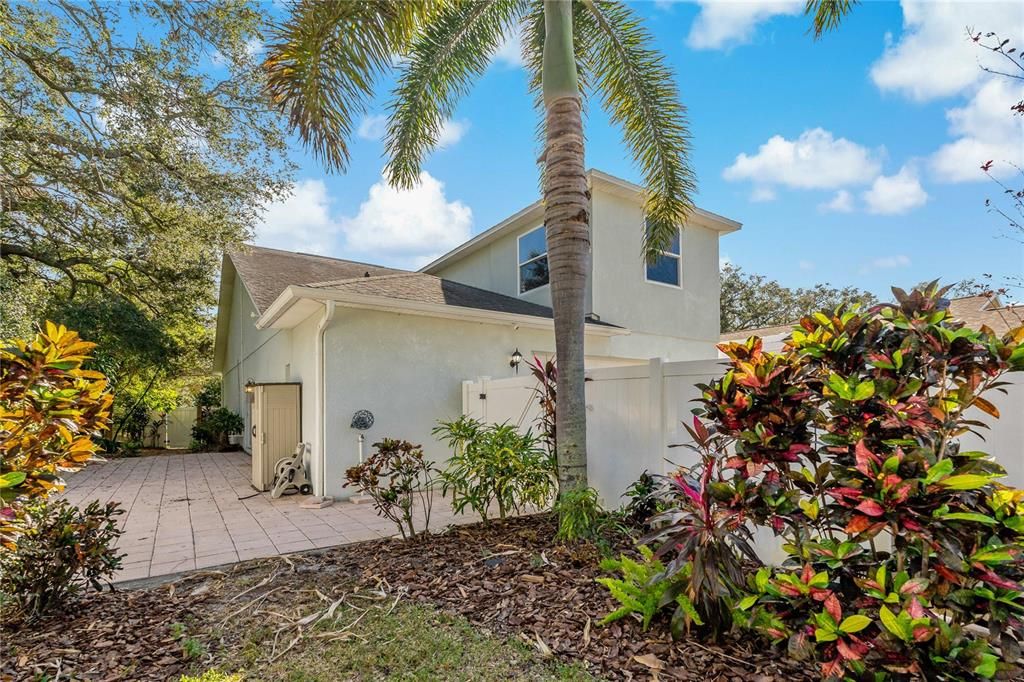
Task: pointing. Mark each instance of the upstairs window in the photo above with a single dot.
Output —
(533, 260)
(667, 268)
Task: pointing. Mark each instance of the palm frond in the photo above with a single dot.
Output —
(324, 60)
(827, 14)
(639, 93)
(444, 59)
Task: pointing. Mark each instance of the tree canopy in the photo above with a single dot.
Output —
(136, 144)
(751, 301)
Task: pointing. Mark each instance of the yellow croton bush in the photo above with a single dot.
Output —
(51, 410)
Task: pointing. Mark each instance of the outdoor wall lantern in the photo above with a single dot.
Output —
(250, 386)
(517, 357)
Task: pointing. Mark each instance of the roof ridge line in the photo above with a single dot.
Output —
(363, 278)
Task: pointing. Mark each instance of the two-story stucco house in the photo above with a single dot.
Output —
(399, 344)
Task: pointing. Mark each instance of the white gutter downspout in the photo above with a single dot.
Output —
(321, 397)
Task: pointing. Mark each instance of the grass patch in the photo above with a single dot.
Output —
(409, 642)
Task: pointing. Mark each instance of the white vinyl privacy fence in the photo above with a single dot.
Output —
(635, 412)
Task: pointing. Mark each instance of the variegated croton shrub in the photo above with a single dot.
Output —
(906, 554)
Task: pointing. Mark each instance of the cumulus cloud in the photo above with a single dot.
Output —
(451, 132)
(933, 57)
(841, 202)
(375, 126)
(727, 23)
(300, 222)
(407, 228)
(985, 130)
(510, 53)
(815, 160)
(895, 194)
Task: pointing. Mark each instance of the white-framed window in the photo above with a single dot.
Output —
(667, 268)
(533, 260)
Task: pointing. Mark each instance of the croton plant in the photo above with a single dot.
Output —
(906, 554)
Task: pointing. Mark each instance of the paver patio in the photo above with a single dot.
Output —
(198, 510)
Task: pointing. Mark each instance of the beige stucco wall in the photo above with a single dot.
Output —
(266, 355)
(676, 323)
(408, 371)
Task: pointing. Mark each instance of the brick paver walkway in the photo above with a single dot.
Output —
(192, 511)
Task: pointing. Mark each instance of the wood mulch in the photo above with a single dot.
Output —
(506, 577)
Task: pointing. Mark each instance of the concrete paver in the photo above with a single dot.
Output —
(196, 510)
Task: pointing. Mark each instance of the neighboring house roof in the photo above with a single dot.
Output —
(535, 212)
(764, 332)
(976, 311)
(266, 272)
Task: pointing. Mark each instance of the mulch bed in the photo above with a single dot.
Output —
(506, 577)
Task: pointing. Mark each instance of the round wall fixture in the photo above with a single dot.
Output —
(362, 420)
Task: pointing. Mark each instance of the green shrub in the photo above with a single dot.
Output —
(63, 550)
(580, 516)
(495, 464)
(644, 590)
(398, 477)
(216, 426)
(644, 501)
(851, 432)
(51, 413)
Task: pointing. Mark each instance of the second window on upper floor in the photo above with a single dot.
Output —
(533, 260)
(667, 268)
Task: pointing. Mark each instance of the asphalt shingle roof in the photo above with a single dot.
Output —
(267, 272)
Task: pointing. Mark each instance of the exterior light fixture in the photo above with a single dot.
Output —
(517, 357)
(250, 386)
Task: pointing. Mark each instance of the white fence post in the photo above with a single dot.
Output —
(656, 416)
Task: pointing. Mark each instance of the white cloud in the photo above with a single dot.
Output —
(842, 202)
(301, 221)
(373, 127)
(934, 57)
(762, 194)
(886, 263)
(895, 194)
(510, 53)
(728, 23)
(815, 160)
(986, 130)
(451, 132)
(806, 265)
(407, 228)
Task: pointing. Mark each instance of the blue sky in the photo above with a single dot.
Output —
(852, 160)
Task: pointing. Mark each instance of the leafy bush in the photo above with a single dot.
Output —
(850, 433)
(51, 412)
(494, 463)
(62, 550)
(215, 428)
(644, 590)
(397, 477)
(580, 516)
(644, 501)
(704, 539)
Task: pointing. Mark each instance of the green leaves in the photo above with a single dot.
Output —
(638, 90)
(851, 388)
(968, 481)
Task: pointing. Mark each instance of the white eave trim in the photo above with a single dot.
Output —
(295, 293)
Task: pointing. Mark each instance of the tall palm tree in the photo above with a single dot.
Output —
(326, 60)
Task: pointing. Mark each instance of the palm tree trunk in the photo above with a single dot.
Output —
(567, 225)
